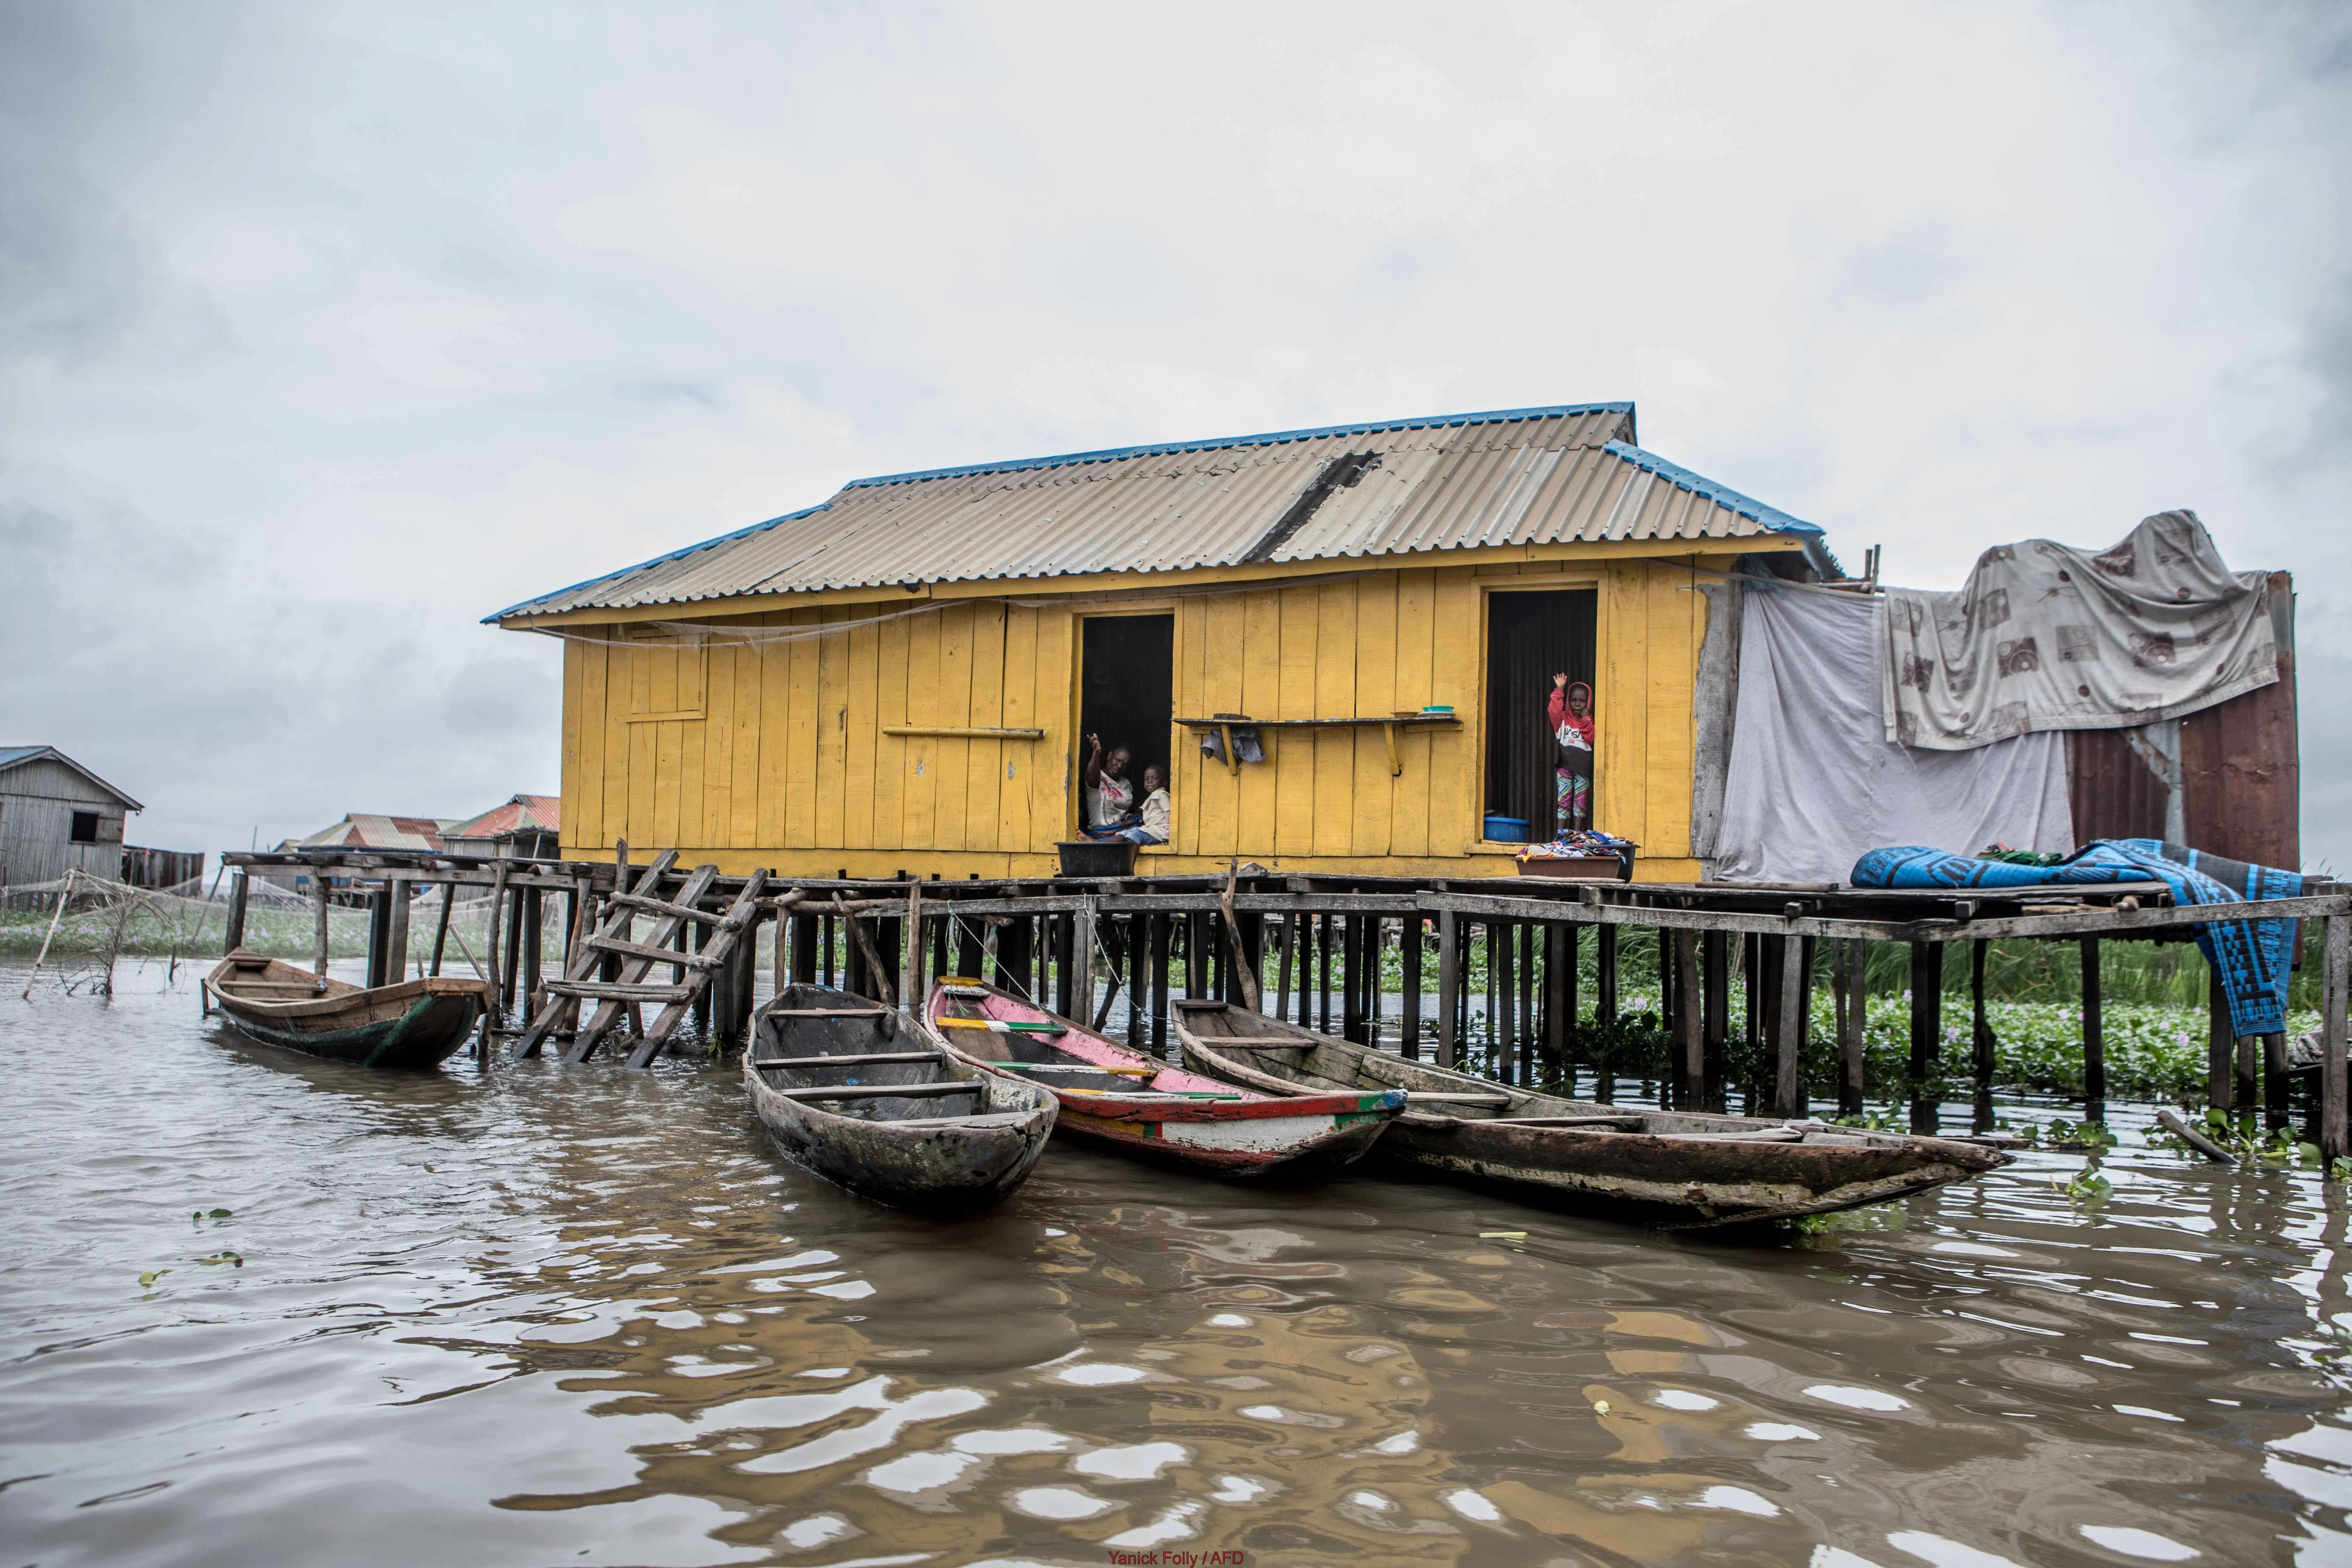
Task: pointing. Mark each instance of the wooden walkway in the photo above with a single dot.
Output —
(1078, 943)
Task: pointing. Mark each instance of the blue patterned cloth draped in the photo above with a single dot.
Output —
(2250, 959)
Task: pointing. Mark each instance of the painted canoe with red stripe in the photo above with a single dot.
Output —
(1129, 1100)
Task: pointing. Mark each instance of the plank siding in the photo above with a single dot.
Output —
(787, 766)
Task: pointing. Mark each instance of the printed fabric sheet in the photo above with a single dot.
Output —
(2250, 959)
(2045, 637)
(1814, 781)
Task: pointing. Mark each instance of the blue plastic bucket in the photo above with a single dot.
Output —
(1506, 830)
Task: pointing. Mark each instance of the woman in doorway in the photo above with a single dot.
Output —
(1108, 797)
(1569, 710)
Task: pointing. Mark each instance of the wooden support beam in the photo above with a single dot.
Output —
(1409, 951)
(2221, 1045)
(1082, 961)
(2094, 1038)
(396, 932)
(1449, 988)
(1690, 1093)
(1788, 1077)
(441, 931)
(1847, 976)
(319, 896)
(1715, 1010)
(1927, 1032)
(1984, 1048)
(2335, 978)
(235, 937)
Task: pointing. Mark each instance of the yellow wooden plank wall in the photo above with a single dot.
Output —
(789, 753)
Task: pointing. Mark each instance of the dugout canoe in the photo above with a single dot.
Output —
(860, 1095)
(412, 1024)
(1679, 1171)
(1135, 1102)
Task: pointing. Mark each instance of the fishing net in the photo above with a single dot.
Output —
(88, 922)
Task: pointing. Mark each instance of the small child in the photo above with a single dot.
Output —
(1151, 825)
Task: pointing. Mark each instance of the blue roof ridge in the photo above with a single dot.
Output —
(518, 609)
(1270, 438)
(1724, 496)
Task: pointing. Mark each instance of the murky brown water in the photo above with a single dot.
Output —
(584, 1316)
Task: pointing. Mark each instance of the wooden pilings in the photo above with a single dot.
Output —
(2094, 1038)
(236, 901)
(1926, 1034)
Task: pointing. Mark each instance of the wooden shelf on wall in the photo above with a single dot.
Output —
(955, 733)
(1390, 722)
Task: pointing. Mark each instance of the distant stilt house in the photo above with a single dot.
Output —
(1339, 644)
(369, 830)
(524, 829)
(57, 815)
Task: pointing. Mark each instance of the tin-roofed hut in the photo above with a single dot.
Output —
(901, 678)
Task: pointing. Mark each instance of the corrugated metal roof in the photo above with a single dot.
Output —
(370, 830)
(1452, 481)
(524, 813)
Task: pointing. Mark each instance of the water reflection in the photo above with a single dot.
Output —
(584, 1314)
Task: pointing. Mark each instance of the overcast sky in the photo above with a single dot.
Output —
(326, 330)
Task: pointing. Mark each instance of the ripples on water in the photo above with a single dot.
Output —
(582, 1315)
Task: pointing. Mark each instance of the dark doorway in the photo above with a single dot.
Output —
(1530, 638)
(1127, 690)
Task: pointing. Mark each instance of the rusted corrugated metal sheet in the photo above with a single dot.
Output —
(1522, 476)
(2242, 764)
(2239, 770)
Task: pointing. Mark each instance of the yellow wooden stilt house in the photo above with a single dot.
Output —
(902, 679)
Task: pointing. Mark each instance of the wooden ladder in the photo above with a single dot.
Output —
(732, 928)
(563, 1002)
(632, 986)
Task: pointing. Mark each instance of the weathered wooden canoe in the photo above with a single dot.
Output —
(1135, 1102)
(1679, 1171)
(414, 1023)
(860, 1095)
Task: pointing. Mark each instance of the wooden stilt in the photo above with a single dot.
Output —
(1503, 987)
(236, 897)
(1927, 1032)
(1352, 978)
(1449, 988)
(1082, 961)
(1526, 1033)
(2336, 977)
(1690, 1035)
(395, 943)
(1159, 936)
(1323, 945)
(379, 943)
(448, 891)
(2221, 1046)
(1789, 1078)
(490, 944)
(1571, 987)
(2094, 1038)
(510, 970)
(534, 910)
(1985, 1052)
(1605, 1013)
(1853, 1015)
(1715, 1013)
(1139, 982)
(1409, 1003)
(2276, 1113)
(911, 989)
(319, 896)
